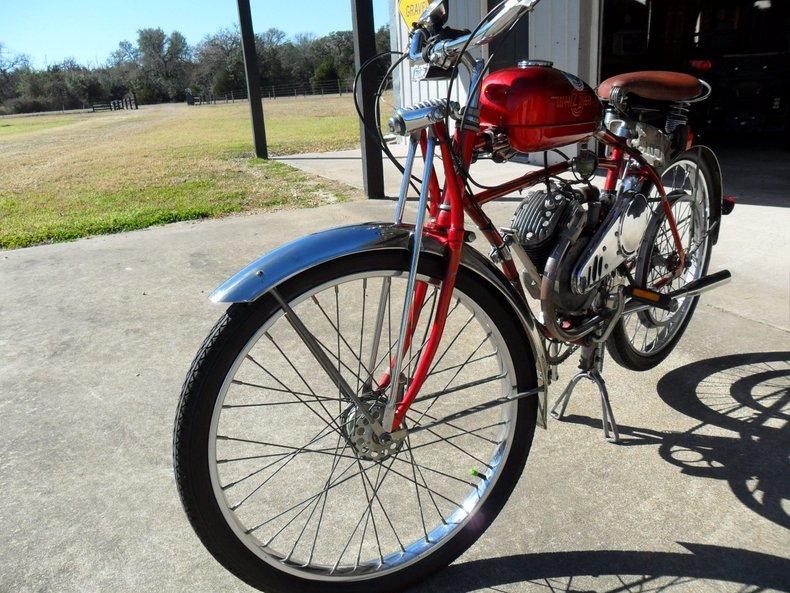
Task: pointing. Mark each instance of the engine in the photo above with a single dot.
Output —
(536, 222)
(539, 224)
(576, 242)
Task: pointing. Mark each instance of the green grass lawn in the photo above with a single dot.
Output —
(66, 176)
(11, 126)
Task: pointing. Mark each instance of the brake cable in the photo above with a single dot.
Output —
(375, 131)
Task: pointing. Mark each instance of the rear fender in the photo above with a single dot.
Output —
(717, 194)
(305, 253)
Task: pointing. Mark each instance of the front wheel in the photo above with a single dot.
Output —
(278, 472)
(640, 341)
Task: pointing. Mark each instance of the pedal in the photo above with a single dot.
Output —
(650, 297)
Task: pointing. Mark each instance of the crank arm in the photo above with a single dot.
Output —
(695, 288)
(469, 411)
(704, 284)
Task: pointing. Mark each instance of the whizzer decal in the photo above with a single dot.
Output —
(575, 102)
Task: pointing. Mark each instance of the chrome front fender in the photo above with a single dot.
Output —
(300, 255)
(304, 253)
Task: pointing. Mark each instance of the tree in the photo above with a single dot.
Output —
(160, 67)
(219, 63)
(10, 65)
(297, 60)
(268, 46)
(339, 47)
(325, 74)
(164, 63)
(125, 54)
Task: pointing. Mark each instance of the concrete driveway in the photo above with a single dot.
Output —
(96, 336)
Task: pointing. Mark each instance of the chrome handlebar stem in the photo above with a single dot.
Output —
(444, 53)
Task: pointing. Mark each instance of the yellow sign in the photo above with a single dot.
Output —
(411, 10)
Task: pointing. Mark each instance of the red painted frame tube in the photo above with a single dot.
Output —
(523, 182)
(620, 148)
(420, 288)
(614, 173)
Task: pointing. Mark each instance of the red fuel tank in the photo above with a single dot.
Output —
(539, 106)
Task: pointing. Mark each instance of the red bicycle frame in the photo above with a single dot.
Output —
(446, 210)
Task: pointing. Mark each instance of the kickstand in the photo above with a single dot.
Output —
(591, 365)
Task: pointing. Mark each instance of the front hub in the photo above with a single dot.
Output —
(359, 431)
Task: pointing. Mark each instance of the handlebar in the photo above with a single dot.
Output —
(444, 53)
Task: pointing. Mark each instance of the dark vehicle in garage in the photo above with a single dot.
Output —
(741, 47)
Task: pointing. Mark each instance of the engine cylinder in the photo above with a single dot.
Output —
(536, 223)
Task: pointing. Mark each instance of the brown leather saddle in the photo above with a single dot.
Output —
(654, 85)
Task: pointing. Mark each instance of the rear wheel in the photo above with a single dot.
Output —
(642, 340)
(278, 473)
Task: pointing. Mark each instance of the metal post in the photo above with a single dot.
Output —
(364, 49)
(253, 79)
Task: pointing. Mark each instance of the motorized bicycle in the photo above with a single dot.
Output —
(361, 413)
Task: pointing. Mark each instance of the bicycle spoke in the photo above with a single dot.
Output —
(449, 425)
(455, 445)
(438, 472)
(361, 334)
(460, 368)
(328, 481)
(461, 387)
(386, 283)
(370, 518)
(415, 470)
(373, 496)
(653, 329)
(299, 374)
(309, 499)
(471, 362)
(340, 338)
(292, 456)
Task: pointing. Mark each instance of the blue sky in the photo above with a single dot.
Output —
(89, 30)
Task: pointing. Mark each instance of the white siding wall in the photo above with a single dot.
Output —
(567, 32)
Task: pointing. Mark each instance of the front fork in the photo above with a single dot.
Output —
(415, 292)
(445, 212)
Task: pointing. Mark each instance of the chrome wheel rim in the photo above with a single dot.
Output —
(653, 330)
(371, 517)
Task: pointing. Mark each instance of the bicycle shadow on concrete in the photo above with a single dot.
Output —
(617, 571)
(746, 394)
